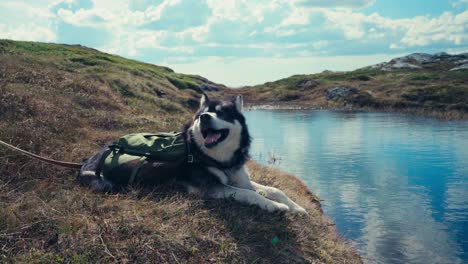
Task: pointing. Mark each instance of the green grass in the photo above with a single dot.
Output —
(424, 76)
(435, 91)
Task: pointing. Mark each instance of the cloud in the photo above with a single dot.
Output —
(446, 28)
(26, 21)
(335, 3)
(459, 3)
(250, 71)
(416, 31)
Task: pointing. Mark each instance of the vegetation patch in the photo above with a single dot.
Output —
(85, 61)
(123, 88)
(183, 84)
(424, 76)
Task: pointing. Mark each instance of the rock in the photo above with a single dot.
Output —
(441, 54)
(210, 88)
(461, 67)
(405, 65)
(420, 60)
(159, 93)
(460, 62)
(308, 83)
(419, 57)
(339, 92)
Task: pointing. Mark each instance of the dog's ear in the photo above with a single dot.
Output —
(204, 100)
(239, 103)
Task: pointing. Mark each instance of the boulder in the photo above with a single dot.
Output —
(307, 84)
(420, 60)
(405, 65)
(340, 92)
(461, 67)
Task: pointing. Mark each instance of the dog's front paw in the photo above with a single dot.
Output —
(278, 207)
(299, 210)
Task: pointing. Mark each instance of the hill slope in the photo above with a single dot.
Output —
(415, 83)
(64, 102)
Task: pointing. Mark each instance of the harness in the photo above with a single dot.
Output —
(145, 157)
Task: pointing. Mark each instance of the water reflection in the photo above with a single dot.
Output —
(395, 185)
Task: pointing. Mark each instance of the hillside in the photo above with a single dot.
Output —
(65, 102)
(418, 83)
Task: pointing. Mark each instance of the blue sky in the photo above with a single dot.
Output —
(245, 42)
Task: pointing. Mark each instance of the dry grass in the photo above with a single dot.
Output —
(433, 92)
(65, 111)
(51, 219)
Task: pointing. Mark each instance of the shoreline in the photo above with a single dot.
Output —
(451, 115)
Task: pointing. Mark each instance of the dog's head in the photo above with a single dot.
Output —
(219, 129)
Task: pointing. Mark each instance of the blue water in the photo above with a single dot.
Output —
(395, 185)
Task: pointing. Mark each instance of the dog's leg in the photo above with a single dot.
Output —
(240, 178)
(275, 194)
(248, 197)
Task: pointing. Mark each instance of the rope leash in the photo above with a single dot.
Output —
(64, 164)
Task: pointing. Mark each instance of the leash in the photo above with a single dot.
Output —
(65, 164)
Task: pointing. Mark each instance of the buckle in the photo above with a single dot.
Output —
(190, 158)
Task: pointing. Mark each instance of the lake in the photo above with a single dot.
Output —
(395, 185)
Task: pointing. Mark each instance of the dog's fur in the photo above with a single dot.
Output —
(220, 170)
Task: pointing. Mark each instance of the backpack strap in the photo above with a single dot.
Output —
(190, 157)
(136, 170)
(102, 160)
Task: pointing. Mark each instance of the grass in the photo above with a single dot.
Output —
(66, 110)
(434, 91)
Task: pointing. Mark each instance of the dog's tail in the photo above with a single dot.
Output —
(64, 164)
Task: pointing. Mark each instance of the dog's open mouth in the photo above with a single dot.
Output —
(213, 137)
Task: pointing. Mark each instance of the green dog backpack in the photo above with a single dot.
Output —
(144, 158)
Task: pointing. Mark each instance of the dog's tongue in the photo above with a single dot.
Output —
(212, 137)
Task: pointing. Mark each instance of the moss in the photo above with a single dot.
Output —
(423, 76)
(184, 84)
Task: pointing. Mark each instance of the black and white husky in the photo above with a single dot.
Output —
(219, 138)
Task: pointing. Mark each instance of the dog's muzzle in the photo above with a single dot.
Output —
(211, 136)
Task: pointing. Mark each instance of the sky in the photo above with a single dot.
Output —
(245, 42)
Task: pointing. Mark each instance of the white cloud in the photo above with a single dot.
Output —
(350, 23)
(416, 31)
(24, 32)
(241, 9)
(336, 3)
(110, 14)
(155, 12)
(459, 3)
(250, 71)
(123, 24)
(26, 21)
(298, 16)
(458, 50)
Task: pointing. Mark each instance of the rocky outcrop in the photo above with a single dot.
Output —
(417, 61)
(341, 92)
(461, 67)
(207, 85)
(307, 84)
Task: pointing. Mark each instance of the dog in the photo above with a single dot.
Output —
(219, 138)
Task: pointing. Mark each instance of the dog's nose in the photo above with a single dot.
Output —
(205, 118)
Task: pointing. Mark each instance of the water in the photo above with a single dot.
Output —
(395, 185)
